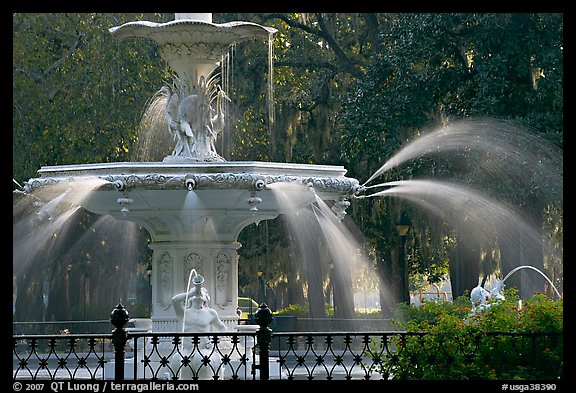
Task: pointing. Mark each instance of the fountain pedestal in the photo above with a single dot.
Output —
(218, 261)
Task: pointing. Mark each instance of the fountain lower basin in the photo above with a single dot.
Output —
(194, 213)
(328, 181)
(140, 191)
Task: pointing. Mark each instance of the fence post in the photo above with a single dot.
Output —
(263, 318)
(119, 318)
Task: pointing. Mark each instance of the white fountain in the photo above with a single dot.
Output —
(194, 203)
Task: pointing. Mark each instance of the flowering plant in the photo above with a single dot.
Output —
(508, 340)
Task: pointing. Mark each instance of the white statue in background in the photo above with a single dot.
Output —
(196, 317)
(482, 299)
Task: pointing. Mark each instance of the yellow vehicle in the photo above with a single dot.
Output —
(247, 305)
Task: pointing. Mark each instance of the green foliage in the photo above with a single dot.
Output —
(459, 344)
(438, 67)
(301, 310)
(412, 318)
(78, 93)
(298, 310)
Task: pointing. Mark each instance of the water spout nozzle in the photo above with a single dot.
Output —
(120, 185)
(259, 184)
(190, 184)
(359, 192)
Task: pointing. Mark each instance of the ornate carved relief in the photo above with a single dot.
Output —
(250, 182)
(228, 181)
(193, 261)
(223, 279)
(198, 50)
(165, 267)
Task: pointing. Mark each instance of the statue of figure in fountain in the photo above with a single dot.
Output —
(193, 122)
(196, 317)
(172, 116)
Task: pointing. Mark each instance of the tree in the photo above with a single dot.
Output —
(78, 93)
(315, 58)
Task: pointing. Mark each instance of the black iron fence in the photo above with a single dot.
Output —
(61, 327)
(397, 355)
(264, 354)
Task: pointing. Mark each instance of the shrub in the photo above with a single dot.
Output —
(502, 342)
(301, 310)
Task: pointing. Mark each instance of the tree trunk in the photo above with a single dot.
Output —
(387, 298)
(343, 291)
(464, 265)
(520, 246)
(315, 280)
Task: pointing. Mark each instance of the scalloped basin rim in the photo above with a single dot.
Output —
(243, 30)
(251, 167)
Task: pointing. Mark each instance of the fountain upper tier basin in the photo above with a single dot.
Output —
(193, 30)
(159, 194)
(210, 40)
